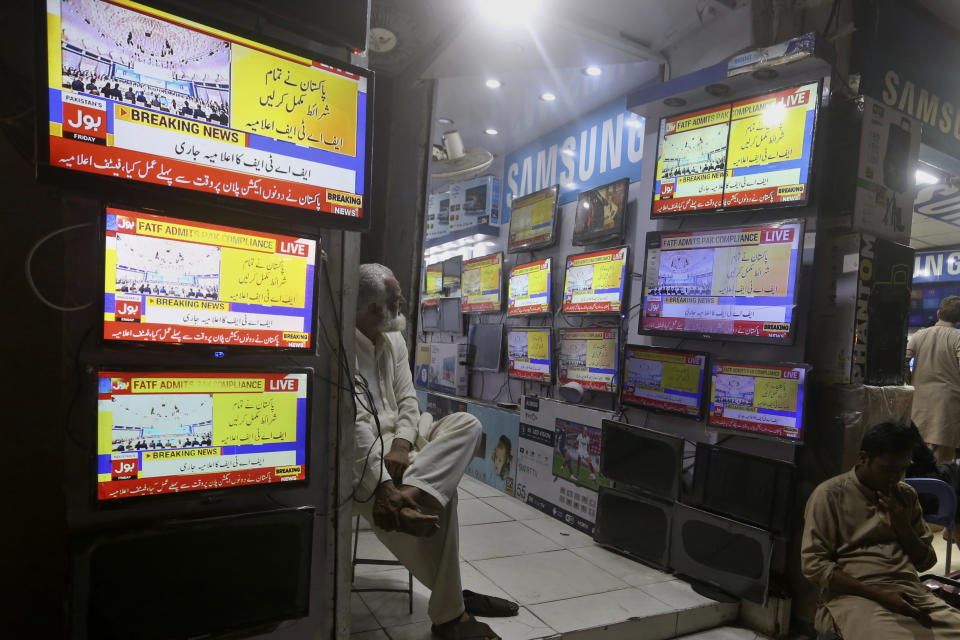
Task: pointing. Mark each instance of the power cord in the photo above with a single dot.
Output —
(28, 267)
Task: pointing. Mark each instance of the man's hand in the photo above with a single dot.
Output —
(893, 502)
(398, 459)
(387, 503)
(896, 602)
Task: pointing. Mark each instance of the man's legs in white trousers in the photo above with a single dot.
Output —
(440, 456)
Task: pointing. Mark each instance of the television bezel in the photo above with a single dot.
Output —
(198, 347)
(758, 434)
(472, 343)
(618, 374)
(463, 295)
(703, 381)
(664, 563)
(433, 309)
(522, 314)
(624, 285)
(200, 494)
(448, 302)
(457, 259)
(169, 196)
(554, 221)
(808, 199)
(550, 346)
(654, 236)
(675, 442)
(618, 233)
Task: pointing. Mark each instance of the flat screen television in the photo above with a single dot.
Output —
(746, 487)
(748, 154)
(530, 353)
(429, 317)
(739, 283)
(167, 432)
(758, 399)
(528, 289)
(601, 213)
(451, 317)
(131, 95)
(533, 220)
(635, 526)
(595, 282)
(642, 459)
(589, 357)
(667, 380)
(233, 592)
(576, 454)
(175, 281)
(721, 553)
(486, 346)
(432, 284)
(451, 269)
(482, 284)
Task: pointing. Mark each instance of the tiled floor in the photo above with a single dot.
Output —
(566, 585)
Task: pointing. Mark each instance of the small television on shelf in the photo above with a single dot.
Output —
(482, 284)
(754, 153)
(533, 220)
(738, 283)
(589, 357)
(429, 317)
(451, 317)
(528, 289)
(719, 553)
(667, 380)
(450, 283)
(182, 109)
(601, 213)
(642, 459)
(486, 346)
(530, 353)
(635, 526)
(175, 281)
(235, 593)
(595, 282)
(758, 398)
(167, 432)
(432, 284)
(755, 489)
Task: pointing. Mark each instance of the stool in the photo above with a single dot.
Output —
(356, 561)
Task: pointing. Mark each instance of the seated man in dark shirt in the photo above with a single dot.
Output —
(77, 84)
(129, 95)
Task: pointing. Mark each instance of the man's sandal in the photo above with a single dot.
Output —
(478, 604)
(466, 630)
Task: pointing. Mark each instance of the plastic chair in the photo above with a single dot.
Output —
(946, 515)
(356, 561)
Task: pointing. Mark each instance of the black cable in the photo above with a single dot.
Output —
(833, 13)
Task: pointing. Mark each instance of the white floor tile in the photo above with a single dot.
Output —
(360, 617)
(371, 548)
(376, 634)
(513, 507)
(500, 539)
(599, 609)
(707, 617)
(523, 626)
(659, 627)
(725, 633)
(472, 579)
(563, 534)
(633, 573)
(542, 577)
(678, 594)
(479, 489)
(476, 511)
(391, 608)
(415, 631)
(463, 494)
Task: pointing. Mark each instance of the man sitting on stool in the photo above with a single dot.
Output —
(864, 540)
(410, 493)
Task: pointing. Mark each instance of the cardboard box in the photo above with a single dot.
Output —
(475, 202)
(448, 368)
(438, 215)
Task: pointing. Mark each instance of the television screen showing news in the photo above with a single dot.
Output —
(594, 282)
(433, 284)
(758, 399)
(529, 353)
(739, 283)
(528, 289)
(751, 153)
(664, 380)
(589, 356)
(143, 95)
(182, 282)
(533, 220)
(482, 283)
(176, 432)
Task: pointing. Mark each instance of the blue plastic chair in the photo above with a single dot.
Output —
(946, 497)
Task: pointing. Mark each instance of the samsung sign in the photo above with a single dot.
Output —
(942, 265)
(600, 147)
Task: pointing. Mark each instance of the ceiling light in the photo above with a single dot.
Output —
(924, 177)
(546, 96)
(674, 101)
(509, 12)
(493, 83)
(491, 131)
(444, 120)
(593, 70)
(765, 74)
(717, 89)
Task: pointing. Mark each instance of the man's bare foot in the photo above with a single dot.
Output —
(428, 504)
(418, 524)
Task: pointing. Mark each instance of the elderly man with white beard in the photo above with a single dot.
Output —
(408, 465)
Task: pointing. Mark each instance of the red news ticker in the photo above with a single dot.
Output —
(175, 334)
(769, 429)
(114, 489)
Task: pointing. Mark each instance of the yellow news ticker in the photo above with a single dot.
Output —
(207, 236)
(195, 385)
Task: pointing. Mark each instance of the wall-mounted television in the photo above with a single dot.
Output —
(135, 95)
(530, 353)
(175, 281)
(533, 221)
(589, 357)
(749, 154)
(432, 284)
(642, 459)
(666, 380)
(528, 289)
(595, 282)
(452, 269)
(451, 317)
(486, 346)
(758, 399)
(738, 283)
(482, 284)
(167, 432)
(635, 526)
(601, 213)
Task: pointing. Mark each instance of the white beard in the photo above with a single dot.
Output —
(396, 323)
